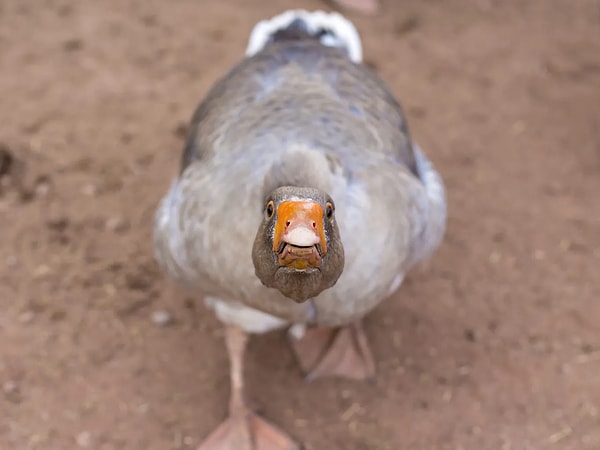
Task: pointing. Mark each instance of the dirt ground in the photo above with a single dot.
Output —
(493, 344)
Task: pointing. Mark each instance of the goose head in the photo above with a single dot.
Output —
(297, 249)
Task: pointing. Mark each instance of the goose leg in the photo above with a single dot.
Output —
(243, 430)
(342, 352)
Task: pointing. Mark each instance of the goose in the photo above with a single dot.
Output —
(301, 203)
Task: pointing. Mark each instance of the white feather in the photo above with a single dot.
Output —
(343, 32)
(435, 224)
(396, 283)
(248, 319)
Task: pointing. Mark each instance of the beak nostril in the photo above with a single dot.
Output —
(287, 223)
(314, 224)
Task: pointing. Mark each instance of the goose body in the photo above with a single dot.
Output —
(299, 112)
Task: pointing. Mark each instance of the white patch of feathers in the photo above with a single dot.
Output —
(248, 319)
(297, 331)
(343, 32)
(396, 283)
(435, 222)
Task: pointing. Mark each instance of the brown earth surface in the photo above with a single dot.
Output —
(493, 344)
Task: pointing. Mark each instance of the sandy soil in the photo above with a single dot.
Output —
(493, 344)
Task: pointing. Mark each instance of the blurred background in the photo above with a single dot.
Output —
(493, 344)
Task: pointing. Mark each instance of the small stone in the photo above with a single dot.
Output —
(463, 371)
(565, 245)
(494, 257)
(11, 391)
(188, 440)
(143, 408)
(162, 318)
(41, 271)
(42, 188)
(116, 224)
(84, 439)
(89, 189)
(26, 317)
(36, 146)
(10, 387)
(110, 289)
(447, 396)
(346, 394)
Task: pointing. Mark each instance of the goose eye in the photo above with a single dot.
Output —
(270, 210)
(329, 211)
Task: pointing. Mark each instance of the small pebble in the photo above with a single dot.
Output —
(110, 289)
(26, 317)
(84, 439)
(42, 188)
(494, 257)
(41, 271)
(463, 370)
(116, 224)
(162, 318)
(143, 408)
(36, 146)
(11, 391)
(89, 189)
(10, 387)
(447, 396)
(565, 245)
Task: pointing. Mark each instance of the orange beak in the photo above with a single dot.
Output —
(299, 236)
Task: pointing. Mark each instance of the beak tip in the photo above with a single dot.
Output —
(301, 236)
